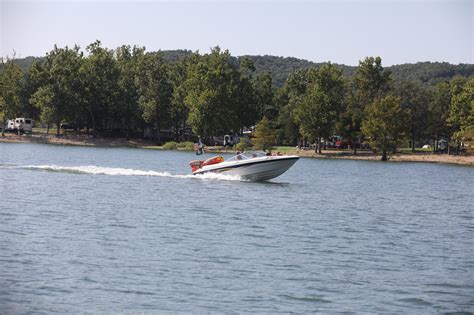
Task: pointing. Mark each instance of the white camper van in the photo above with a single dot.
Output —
(21, 124)
(10, 125)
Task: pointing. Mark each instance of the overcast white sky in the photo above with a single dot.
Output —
(338, 31)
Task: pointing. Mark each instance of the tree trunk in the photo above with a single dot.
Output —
(4, 122)
(184, 135)
(413, 142)
(319, 146)
(158, 135)
(384, 154)
(127, 131)
(47, 129)
(449, 145)
(58, 128)
(354, 146)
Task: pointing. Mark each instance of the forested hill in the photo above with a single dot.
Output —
(427, 73)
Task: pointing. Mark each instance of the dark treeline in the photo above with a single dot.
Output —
(129, 91)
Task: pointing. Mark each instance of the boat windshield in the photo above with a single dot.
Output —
(247, 155)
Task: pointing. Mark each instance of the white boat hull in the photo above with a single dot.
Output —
(258, 169)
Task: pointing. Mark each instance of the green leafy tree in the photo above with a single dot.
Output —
(383, 123)
(315, 116)
(179, 111)
(33, 78)
(10, 91)
(155, 92)
(461, 112)
(128, 63)
(100, 75)
(213, 94)
(264, 91)
(318, 108)
(414, 101)
(247, 103)
(264, 137)
(289, 97)
(438, 110)
(296, 86)
(287, 131)
(60, 95)
(370, 81)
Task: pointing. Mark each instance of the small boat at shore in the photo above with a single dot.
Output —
(255, 166)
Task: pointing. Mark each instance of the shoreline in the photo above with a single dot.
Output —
(88, 141)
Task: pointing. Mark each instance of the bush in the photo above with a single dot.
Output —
(242, 145)
(187, 145)
(171, 145)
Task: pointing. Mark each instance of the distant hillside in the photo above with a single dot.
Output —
(24, 63)
(281, 67)
(427, 73)
(430, 73)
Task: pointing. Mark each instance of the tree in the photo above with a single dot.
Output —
(155, 91)
(128, 63)
(315, 116)
(287, 130)
(179, 111)
(414, 101)
(33, 79)
(214, 94)
(263, 87)
(461, 112)
(264, 137)
(438, 110)
(370, 82)
(247, 102)
(100, 75)
(382, 124)
(289, 97)
(10, 88)
(318, 108)
(60, 95)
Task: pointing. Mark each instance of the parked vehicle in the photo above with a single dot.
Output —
(10, 125)
(442, 145)
(23, 125)
(69, 126)
(231, 140)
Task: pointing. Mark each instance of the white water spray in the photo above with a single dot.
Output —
(113, 171)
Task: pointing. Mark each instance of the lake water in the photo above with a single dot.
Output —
(106, 230)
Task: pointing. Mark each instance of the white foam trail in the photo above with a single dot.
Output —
(114, 171)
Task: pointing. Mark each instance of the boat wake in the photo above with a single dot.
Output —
(114, 171)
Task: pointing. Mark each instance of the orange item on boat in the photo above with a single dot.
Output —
(213, 160)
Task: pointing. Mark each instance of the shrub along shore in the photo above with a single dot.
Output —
(403, 156)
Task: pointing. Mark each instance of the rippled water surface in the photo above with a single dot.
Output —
(126, 230)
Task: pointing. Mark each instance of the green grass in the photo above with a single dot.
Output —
(52, 131)
(284, 149)
(408, 150)
(187, 145)
(153, 147)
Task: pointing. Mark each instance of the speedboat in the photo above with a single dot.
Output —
(255, 166)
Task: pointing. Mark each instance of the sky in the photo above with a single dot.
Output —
(340, 31)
